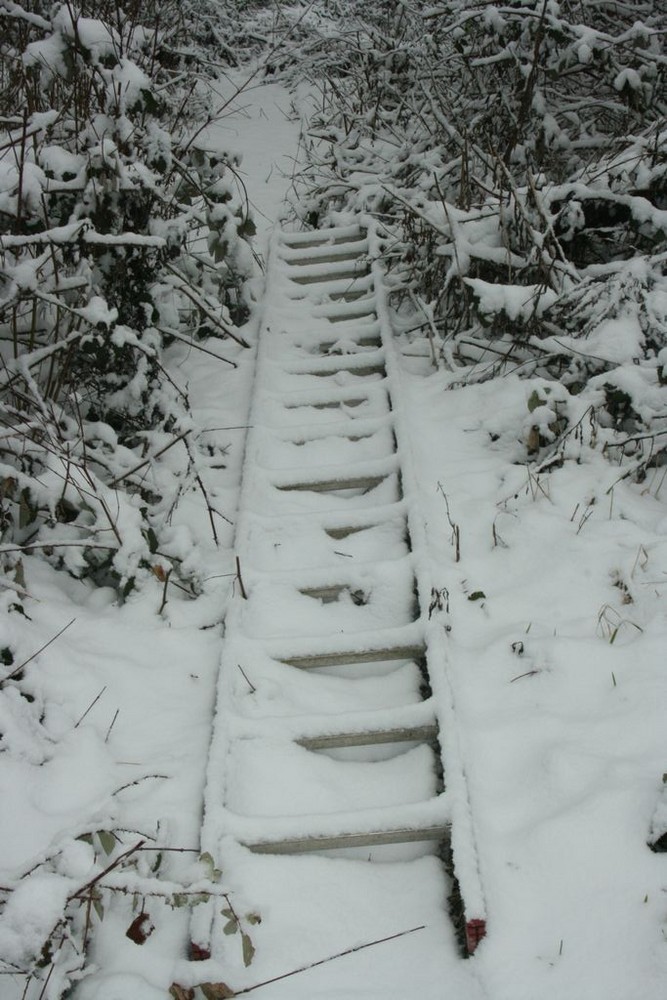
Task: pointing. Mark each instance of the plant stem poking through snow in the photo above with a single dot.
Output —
(229, 993)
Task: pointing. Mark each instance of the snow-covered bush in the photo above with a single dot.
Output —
(516, 157)
(119, 233)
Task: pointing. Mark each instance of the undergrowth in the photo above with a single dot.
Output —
(524, 220)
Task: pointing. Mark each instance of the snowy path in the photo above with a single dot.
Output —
(334, 723)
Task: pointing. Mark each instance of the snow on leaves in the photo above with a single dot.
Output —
(119, 234)
(525, 221)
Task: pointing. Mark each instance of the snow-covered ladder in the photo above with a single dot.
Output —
(335, 580)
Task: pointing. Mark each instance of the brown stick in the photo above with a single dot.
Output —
(114, 864)
(323, 961)
(240, 579)
(92, 705)
(147, 461)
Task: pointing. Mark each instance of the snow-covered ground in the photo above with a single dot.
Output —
(556, 606)
(111, 726)
(556, 654)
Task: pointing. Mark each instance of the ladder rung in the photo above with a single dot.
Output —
(335, 312)
(324, 594)
(345, 532)
(409, 651)
(309, 275)
(363, 342)
(358, 370)
(329, 404)
(302, 845)
(350, 295)
(331, 485)
(424, 733)
(322, 237)
(327, 255)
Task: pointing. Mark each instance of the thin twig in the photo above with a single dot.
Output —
(149, 459)
(41, 649)
(80, 893)
(528, 673)
(113, 722)
(137, 781)
(331, 958)
(164, 591)
(170, 332)
(240, 579)
(247, 679)
(92, 704)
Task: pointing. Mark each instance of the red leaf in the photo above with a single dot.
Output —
(198, 954)
(475, 932)
(141, 928)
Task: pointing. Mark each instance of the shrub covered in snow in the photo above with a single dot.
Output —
(120, 232)
(516, 156)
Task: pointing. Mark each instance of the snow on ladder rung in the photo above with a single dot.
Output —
(332, 485)
(326, 404)
(345, 657)
(334, 292)
(323, 237)
(340, 311)
(373, 838)
(350, 294)
(361, 371)
(344, 531)
(326, 346)
(422, 733)
(327, 271)
(327, 253)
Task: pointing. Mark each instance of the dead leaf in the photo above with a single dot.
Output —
(198, 954)
(216, 991)
(181, 992)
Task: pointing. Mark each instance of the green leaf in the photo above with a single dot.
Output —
(213, 873)
(248, 949)
(200, 897)
(253, 918)
(149, 102)
(477, 595)
(534, 400)
(27, 512)
(232, 925)
(107, 841)
(247, 227)
(151, 538)
(19, 573)
(97, 906)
